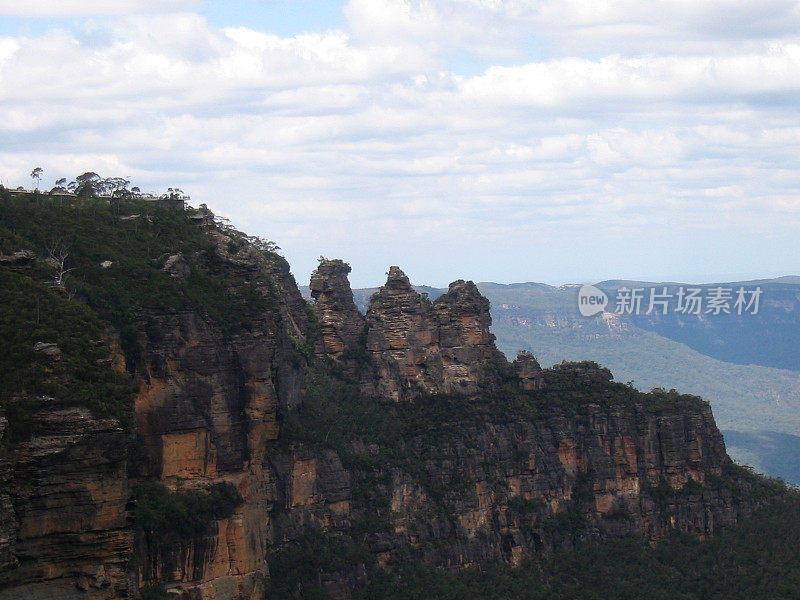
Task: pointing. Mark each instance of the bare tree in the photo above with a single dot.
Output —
(57, 255)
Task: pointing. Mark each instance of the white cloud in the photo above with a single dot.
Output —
(510, 28)
(362, 143)
(552, 83)
(70, 8)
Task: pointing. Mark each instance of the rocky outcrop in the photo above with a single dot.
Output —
(17, 260)
(176, 266)
(206, 413)
(510, 488)
(425, 347)
(312, 492)
(341, 324)
(528, 370)
(48, 349)
(403, 339)
(8, 521)
(471, 361)
(585, 372)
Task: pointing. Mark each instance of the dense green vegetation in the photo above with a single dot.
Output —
(168, 517)
(31, 313)
(756, 559)
(135, 236)
(154, 592)
(743, 481)
(565, 389)
(296, 566)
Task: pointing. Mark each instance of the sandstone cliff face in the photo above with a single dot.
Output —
(8, 521)
(471, 362)
(506, 489)
(602, 463)
(206, 411)
(403, 339)
(206, 414)
(68, 534)
(510, 489)
(425, 347)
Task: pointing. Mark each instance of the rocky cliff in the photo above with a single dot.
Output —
(431, 347)
(457, 482)
(341, 325)
(206, 413)
(211, 380)
(272, 447)
(67, 527)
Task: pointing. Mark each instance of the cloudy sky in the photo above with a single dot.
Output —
(519, 140)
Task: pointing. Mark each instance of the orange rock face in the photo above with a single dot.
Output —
(71, 514)
(425, 347)
(206, 413)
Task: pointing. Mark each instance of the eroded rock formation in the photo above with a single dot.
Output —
(206, 413)
(471, 361)
(431, 347)
(529, 372)
(340, 322)
(508, 488)
(403, 339)
(70, 527)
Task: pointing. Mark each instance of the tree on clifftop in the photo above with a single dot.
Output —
(85, 185)
(36, 175)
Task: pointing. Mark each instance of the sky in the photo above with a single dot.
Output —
(556, 141)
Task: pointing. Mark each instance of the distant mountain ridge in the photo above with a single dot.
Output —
(768, 338)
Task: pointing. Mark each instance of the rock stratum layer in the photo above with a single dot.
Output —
(431, 347)
(485, 460)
